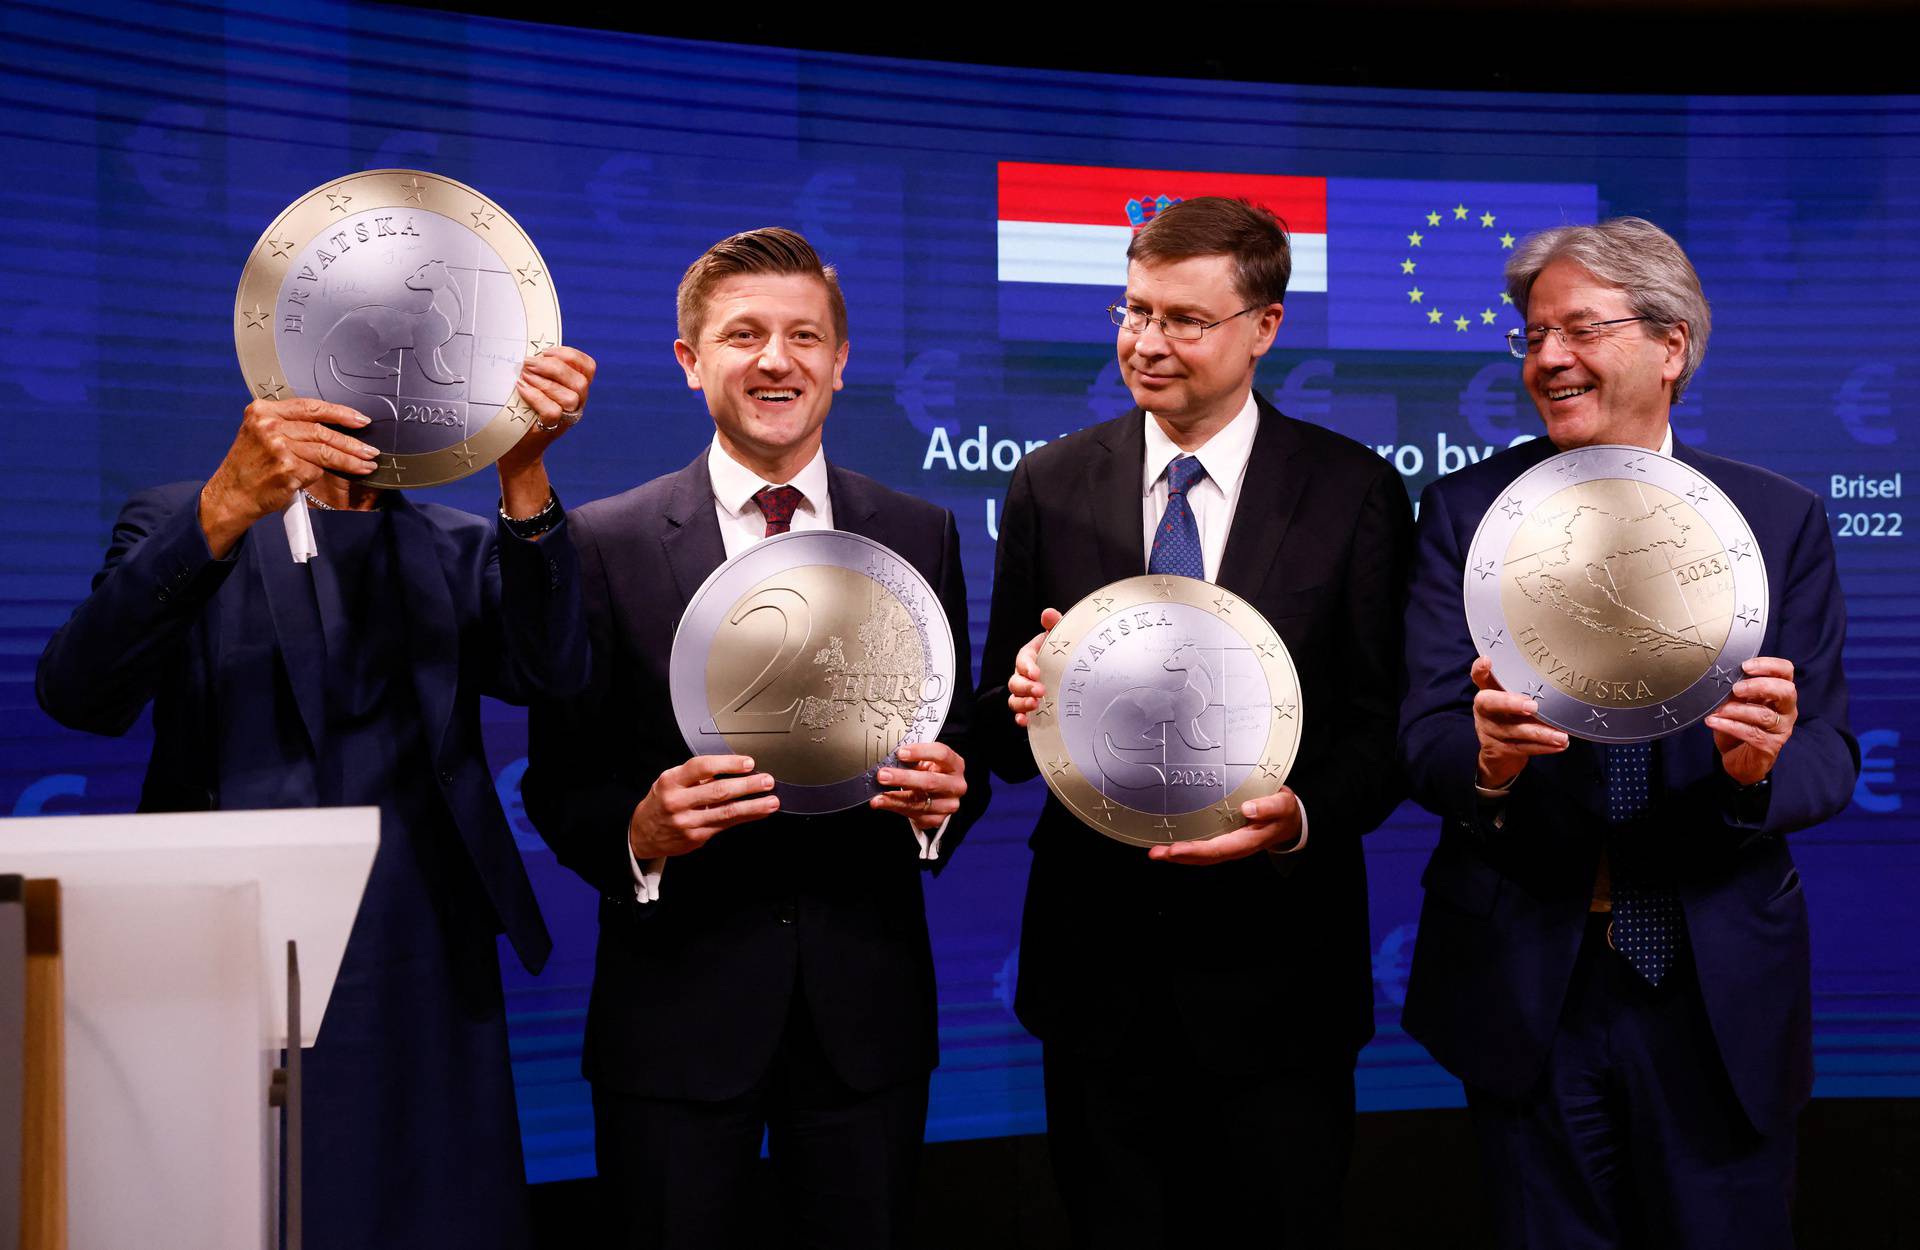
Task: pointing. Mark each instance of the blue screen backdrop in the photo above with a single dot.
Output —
(148, 144)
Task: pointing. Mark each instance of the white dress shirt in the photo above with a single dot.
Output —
(1211, 500)
(742, 524)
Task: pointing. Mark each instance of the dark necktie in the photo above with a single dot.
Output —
(1647, 921)
(1176, 541)
(777, 504)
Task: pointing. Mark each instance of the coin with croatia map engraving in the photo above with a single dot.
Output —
(1620, 589)
(1170, 702)
(816, 652)
(409, 297)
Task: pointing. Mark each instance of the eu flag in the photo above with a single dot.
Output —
(1417, 266)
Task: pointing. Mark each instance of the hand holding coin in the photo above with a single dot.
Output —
(283, 446)
(929, 790)
(554, 385)
(1024, 688)
(1273, 823)
(691, 802)
(1754, 723)
(1509, 729)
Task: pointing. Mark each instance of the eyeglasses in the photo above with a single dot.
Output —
(1180, 329)
(1522, 343)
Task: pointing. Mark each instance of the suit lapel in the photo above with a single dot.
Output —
(692, 539)
(1269, 494)
(433, 645)
(854, 507)
(1113, 486)
(296, 623)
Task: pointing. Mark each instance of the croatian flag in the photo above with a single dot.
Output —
(1064, 230)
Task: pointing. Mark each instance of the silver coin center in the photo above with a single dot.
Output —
(408, 317)
(1165, 708)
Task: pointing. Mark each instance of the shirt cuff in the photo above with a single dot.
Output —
(646, 877)
(1299, 843)
(929, 842)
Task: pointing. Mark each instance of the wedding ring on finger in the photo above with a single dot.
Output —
(551, 427)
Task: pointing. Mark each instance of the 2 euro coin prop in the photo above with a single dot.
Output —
(1618, 588)
(1169, 703)
(409, 297)
(816, 652)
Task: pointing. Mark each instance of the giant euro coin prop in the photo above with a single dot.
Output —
(409, 297)
(1170, 702)
(817, 653)
(1618, 588)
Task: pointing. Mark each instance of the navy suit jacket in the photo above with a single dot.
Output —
(230, 654)
(1261, 961)
(1506, 908)
(691, 992)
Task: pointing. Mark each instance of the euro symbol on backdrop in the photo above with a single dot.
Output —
(1877, 771)
(1490, 404)
(1864, 405)
(919, 392)
(621, 192)
(1108, 397)
(829, 214)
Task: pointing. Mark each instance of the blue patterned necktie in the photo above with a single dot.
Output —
(1646, 926)
(1176, 540)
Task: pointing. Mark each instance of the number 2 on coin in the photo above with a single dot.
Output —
(733, 719)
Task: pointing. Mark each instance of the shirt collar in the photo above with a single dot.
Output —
(1666, 440)
(734, 485)
(1224, 456)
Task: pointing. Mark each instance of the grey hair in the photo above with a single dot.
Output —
(1639, 258)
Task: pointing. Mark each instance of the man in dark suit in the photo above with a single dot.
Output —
(1626, 1089)
(1201, 1004)
(756, 971)
(354, 677)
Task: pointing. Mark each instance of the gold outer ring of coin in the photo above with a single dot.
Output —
(255, 301)
(1128, 824)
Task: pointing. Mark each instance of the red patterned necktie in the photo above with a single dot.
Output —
(777, 504)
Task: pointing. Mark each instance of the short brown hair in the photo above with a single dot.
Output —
(1212, 225)
(770, 249)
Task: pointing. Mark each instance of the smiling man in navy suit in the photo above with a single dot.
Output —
(757, 971)
(1643, 1099)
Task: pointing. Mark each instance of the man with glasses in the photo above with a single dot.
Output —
(1625, 1092)
(1200, 1005)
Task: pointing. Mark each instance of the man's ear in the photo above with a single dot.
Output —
(689, 361)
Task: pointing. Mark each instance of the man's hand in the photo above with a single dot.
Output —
(928, 792)
(1273, 824)
(692, 802)
(1509, 731)
(283, 445)
(1751, 727)
(554, 384)
(1024, 690)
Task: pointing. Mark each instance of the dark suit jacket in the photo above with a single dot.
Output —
(1505, 909)
(231, 656)
(691, 992)
(1261, 959)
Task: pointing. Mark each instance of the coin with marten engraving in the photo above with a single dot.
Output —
(409, 297)
(1620, 589)
(1170, 702)
(817, 653)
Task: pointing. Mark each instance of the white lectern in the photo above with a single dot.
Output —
(175, 931)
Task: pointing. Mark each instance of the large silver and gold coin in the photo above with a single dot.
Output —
(817, 653)
(409, 297)
(1620, 589)
(1170, 702)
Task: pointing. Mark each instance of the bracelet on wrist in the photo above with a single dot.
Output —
(537, 524)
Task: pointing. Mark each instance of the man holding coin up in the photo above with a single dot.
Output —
(757, 971)
(1613, 949)
(1201, 1003)
(354, 677)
